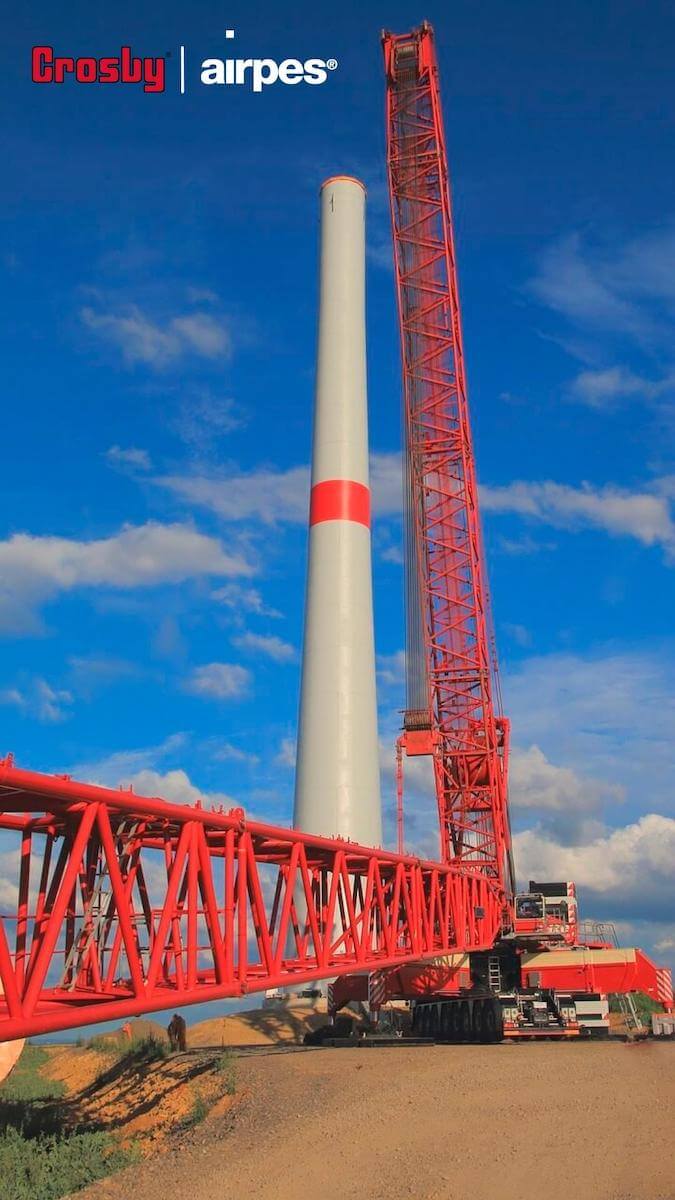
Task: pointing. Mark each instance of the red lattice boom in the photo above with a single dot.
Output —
(125, 905)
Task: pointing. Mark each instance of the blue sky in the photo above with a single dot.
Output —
(159, 317)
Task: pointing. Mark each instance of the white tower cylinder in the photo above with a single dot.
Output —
(337, 789)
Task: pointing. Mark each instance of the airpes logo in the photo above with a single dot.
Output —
(256, 74)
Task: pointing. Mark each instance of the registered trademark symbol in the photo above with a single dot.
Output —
(331, 63)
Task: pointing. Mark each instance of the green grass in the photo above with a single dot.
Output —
(644, 1005)
(39, 1158)
(200, 1110)
(225, 1067)
(49, 1167)
(145, 1050)
(121, 1051)
(26, 1081)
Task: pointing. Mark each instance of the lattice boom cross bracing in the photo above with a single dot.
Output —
(125, 905)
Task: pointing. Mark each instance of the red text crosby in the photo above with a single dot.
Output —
(48, 67)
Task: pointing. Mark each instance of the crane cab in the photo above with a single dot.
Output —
(547, 911)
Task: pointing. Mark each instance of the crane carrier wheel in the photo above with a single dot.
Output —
(451, 1019)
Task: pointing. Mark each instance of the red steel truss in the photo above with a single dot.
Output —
(459, 726)
(124, 905)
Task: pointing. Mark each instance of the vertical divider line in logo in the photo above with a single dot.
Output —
(182, 70)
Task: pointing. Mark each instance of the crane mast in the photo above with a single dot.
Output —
(451, 671)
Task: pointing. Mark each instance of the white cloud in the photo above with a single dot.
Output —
(244, 599)
(130, 458)
(143, 340)
(606, 715)
(39, 699)
(275, 496)
(536, 783)
(221, 751)
(602, 388)
(577, 284)
(270, 647)
(219, 681)
(391, 668)
(201, 295)
(565, 802)
(624, 288)
(392, 554)
(133, 769)
(632, 865)
(168, 641)
(35, 569)
(386, 484)
(643, 515)
(121, 765)
(174, 786)
(203, 334)
(204, 418)
(524, 545)
(285, 756)
(268, 495)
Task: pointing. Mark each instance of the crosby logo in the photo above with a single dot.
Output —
(125, 68)
(255, 73)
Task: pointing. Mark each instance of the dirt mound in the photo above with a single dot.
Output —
(137, 1099)
(133, 1031)
(257, 1027)
(76, 1067)
(142, 1027)
(143, 1102)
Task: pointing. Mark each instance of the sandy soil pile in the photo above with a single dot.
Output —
(78, 1066)
(142, 1102)
(75, 1066)
(148, 1101)
(258, 1027)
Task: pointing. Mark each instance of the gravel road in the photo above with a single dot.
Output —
(590, 1121)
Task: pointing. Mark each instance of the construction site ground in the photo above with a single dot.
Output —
(588, 1120)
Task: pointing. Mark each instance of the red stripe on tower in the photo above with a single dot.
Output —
(340, 500)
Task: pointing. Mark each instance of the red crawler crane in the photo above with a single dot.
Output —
(451, 673)
(522, 984)
(122, 904)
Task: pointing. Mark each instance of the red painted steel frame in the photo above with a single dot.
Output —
(468, 741)
(126, 904)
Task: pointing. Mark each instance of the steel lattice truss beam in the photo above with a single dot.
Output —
(125, 905)
(468, 741)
